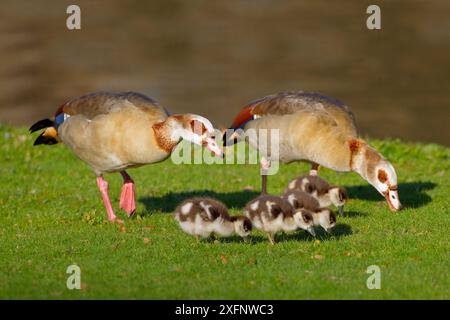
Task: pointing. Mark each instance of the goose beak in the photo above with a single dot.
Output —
(212, 146)
(341, 210)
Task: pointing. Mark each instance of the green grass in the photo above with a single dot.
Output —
(51, 216)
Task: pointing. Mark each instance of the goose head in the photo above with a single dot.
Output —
(384, 178)
(195, 129)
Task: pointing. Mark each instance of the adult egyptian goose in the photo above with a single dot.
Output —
(272, 214)
(202, 216)
(321, 190)
(112, 132)
(317, 129)
(322, 216)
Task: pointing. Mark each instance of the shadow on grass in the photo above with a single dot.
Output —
(352, 214)
(411, 194)
(169, 201)
(339, 231)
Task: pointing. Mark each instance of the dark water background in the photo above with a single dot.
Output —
(212, 57)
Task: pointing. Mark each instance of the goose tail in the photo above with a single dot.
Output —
(49, 135)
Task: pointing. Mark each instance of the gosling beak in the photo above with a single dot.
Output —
(341, 210)
(311, 231)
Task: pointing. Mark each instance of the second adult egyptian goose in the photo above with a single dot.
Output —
(317, 129)
(112, 132)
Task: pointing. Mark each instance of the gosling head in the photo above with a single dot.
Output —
(242, 226)
(326, 219)
(338, 197)
(305, 221)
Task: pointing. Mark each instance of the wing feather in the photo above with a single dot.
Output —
(291, 102)
(98, 103)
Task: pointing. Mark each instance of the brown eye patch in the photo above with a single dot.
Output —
(307, 216)
(276, 210)
(382, 176)
(332, 218)
(197, 127)
(247, 225)
(342, 194)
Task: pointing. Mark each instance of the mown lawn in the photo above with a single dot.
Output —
(52, 216)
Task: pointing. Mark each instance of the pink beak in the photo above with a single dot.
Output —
(212, 146)
(393, 200)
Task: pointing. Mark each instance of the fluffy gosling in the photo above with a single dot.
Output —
(201, 217)
(323, 217)
(321, 190)
(273, 214)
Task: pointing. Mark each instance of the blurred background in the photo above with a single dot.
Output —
(212, 57)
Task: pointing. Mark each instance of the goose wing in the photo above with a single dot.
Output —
(101, 103)
(286, 103)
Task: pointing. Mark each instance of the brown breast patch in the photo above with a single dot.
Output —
(355, 146)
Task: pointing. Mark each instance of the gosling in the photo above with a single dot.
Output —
(273, 214)
(321, 190)
(323, 217)
(201, 217)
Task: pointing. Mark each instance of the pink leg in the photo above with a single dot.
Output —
(103, 186)
(127, 198)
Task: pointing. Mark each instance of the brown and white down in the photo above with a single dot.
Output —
(322, 216)
(202, 217)
(112, 132)
(321, 190)
(273, 214)
(316, 129)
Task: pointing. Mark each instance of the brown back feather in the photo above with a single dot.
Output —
(281, 206)
(217, 209)
(98, 103)
(290, 102)
(302, 200)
